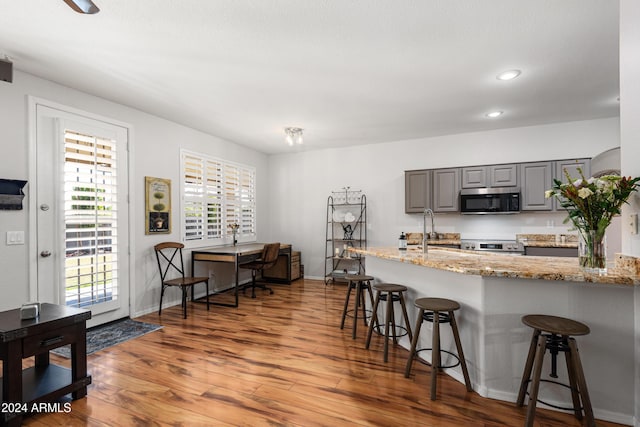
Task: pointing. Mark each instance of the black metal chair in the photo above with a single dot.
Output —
(267, 260)
(166, 256)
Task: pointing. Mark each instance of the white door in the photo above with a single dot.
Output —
(82, 213)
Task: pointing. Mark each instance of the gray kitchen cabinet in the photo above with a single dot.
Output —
(474, 177)
(446, 190)
(553, 251)
(503, 175)
(535, 179)
(417, 190)
(572, 167)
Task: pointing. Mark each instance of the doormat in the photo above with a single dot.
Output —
(110, 334)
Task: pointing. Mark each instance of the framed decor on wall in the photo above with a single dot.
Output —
(157, 205)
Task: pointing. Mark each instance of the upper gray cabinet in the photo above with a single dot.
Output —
(535, 179)
(417, 190)
(439, 189)
(490, 176)
(446, 189)
(572, 168)
(503, 175)
(474, 177)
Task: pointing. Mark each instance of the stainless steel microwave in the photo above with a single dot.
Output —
(502, 200)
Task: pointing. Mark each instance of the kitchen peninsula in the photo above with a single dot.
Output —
(496, 290)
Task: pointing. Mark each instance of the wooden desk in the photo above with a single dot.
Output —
(54, 327)
(235, 255)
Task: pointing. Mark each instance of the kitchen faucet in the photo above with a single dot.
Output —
(424, 229)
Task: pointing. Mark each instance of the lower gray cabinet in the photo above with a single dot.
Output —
(558, 252)
(446, 190)
(535, 179)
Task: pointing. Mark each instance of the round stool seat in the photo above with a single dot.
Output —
(358, 277)
(555, 325)
(436, 304)
(389, 287)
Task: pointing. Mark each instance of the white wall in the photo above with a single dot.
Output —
(630, 144)
(303, 181)
(155, 152)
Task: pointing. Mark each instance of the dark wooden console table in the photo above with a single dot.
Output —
(43, 383)
(235, 255)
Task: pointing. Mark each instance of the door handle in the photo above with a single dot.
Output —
(45, 254)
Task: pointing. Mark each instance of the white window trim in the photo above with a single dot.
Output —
(227, 236)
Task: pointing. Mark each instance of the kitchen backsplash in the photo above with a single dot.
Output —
(416, 238)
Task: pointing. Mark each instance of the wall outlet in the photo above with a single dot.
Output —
(633, 223)
(15, 238)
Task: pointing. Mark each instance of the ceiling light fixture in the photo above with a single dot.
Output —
(508, 75)
(494, 114)
(294, 135)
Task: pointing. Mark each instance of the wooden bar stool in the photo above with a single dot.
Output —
(557, 339)
(437, 310)
(359, 282)
(391, 293)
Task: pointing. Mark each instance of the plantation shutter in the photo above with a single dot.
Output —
(215, 194)
(214, 199)
(247, 201)
(90, 216)
(193, 197)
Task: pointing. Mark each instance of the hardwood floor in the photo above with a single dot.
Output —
(278, 360)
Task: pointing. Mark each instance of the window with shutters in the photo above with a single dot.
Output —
(216, 193)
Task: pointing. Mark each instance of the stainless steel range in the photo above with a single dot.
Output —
(499, 246)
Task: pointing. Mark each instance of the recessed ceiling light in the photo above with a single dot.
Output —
(508, 75)
(494, 114)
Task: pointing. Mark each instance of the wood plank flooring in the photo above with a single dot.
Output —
(277, 360)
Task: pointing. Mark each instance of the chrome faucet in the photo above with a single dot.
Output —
(424, 229)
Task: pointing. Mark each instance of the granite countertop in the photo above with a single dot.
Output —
(625, 272)
(548, 240)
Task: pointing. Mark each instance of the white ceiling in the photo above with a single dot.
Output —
(347, 71)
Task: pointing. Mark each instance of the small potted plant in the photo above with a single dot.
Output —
(234, 226)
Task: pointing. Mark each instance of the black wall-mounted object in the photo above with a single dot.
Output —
(11, 194)
(6, 70)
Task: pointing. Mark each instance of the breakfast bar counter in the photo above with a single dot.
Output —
(496, 290)
(505, 265)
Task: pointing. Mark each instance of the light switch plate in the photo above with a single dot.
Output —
(633, 223)
(15, 238)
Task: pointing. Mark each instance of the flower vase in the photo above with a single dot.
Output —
(235, 240)
(592, 252)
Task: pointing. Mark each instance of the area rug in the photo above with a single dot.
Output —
(110, 334)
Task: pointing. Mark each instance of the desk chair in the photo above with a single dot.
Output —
(167, 262)
(267, 260)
